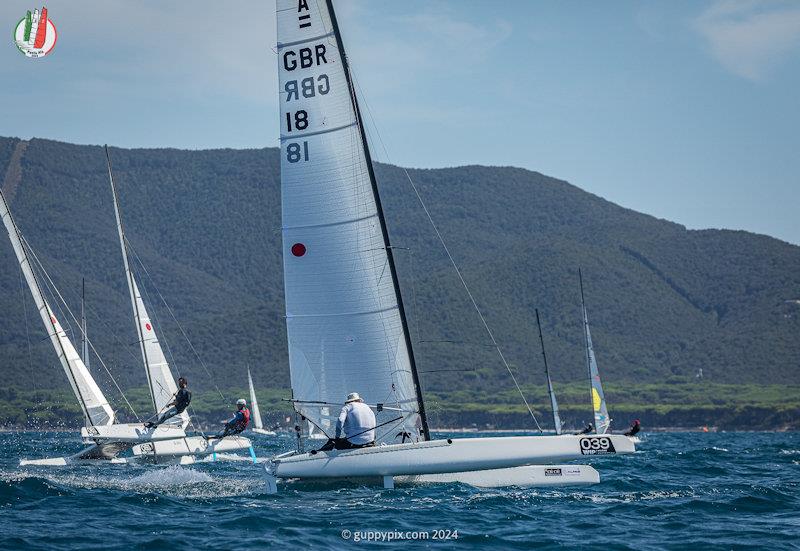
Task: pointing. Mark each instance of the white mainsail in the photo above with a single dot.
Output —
(96, 408)
(254, 411)
(601, 419)
(341, 289)
(159, 377)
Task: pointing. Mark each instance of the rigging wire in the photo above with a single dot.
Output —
(157, 322)
(453, 262)
(53, 289)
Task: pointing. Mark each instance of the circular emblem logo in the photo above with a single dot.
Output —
(35, 35)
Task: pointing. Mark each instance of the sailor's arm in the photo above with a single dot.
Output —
(340, 422)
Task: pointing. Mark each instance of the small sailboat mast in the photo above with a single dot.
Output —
(550, 391)
(96, 408)
(598, 399)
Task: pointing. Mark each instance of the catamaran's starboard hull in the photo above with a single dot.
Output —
(524, 477)
(192, 445)
(448, 456)
(135, 433)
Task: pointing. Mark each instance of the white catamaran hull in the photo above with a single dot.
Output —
(264, 432)
(192, 445)
(448, 456)
(135, 433)
(523, 477)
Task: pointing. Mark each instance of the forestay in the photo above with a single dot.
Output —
(96, 409)
(345, 325)
(159, 377)
(601, 418)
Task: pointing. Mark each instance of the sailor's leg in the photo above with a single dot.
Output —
(388, 482)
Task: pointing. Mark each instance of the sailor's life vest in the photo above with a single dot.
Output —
(242, 423)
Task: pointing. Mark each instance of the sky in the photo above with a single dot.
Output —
(684, 110)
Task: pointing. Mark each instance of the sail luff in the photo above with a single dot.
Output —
(382, 219)
(96, 408)
(550, 391)
(256, 414)
(602, 421)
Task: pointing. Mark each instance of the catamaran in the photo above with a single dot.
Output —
(106, 438)
(346, 325)
(255, 414)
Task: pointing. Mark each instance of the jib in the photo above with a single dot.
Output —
(306, 57)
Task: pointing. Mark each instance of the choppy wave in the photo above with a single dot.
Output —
(681, 490)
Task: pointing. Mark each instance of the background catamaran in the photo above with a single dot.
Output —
(346, 326)
(108, 439)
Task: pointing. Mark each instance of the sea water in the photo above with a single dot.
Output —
(680, 491)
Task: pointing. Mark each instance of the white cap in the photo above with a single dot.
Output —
(241, 402)
(353, 397)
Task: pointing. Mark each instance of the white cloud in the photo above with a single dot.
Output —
(750, 37)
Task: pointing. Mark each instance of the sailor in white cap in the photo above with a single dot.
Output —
(356, 425)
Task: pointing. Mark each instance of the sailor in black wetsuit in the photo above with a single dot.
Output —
(636, 426)
(182, 399)
(589, 428)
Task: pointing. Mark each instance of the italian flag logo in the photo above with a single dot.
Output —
(35, 35)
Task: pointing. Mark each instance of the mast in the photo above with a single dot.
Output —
(129, 278)
(381, 218)
(550, 391)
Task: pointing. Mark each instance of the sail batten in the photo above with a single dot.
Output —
(346, 327)
(96, 408)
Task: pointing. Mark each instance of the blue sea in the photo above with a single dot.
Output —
(680, 491)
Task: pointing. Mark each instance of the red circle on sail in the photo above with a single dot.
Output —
(53, 319)
(298, 249)
(148, 326)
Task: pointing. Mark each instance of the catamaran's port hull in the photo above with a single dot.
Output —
(134, 433)
(438, 457)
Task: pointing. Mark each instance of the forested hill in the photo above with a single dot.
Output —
(663, 301)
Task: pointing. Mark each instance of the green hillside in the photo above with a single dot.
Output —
(663, 301)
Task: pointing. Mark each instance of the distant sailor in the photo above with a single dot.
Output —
(589, 428)
(182, 400)
(355, 427)
(239, 421)
(636, 426)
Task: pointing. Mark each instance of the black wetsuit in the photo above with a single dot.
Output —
(182, 399)
(634, 430)
(587, 430)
